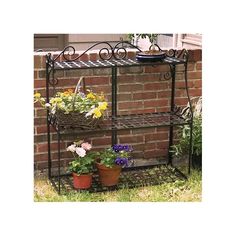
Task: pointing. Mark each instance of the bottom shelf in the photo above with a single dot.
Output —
(129, 178)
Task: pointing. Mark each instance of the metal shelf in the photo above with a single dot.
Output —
(135, 121)
(115, 57)
(68, 65)
(129, 178)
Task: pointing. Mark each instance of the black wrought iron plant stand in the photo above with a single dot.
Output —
(115, 57)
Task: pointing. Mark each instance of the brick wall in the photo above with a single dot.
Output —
(140, 90)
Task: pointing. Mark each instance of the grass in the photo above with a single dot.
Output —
(178, 191)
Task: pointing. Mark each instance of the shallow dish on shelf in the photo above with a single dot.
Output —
(150, 56)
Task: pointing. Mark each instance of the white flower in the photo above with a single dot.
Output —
(80, 151)
(47, 104)
(71, 148)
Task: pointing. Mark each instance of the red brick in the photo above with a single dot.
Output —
(36, 74)
(195, 92)
(156, 86)
(37, 62)
(181, 84)
(93, 56)
(163, 144)
(198, 83)
(180, 93)
(73, 57)
(41, 112)
(154, 103)
(142, 111)
(150, 154)
(131, 70)
(143, 131)
(194, 75)
(40, 121)
(130, 87)
(156, 69)
(124, 97)
(162, 109)
(101, 141)
(195, 55)
(199, 66)
(156, 136)
(163, 94)
(131, 139)
(43, 62)
(127, 79)
(98, 89)
(43, 147)
(181, 101)
(129, 105)
(39, 83)
(43, 129)
(148, 78)
(147, 95)
(97, 80)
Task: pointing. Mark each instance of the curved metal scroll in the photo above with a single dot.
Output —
(107, 52)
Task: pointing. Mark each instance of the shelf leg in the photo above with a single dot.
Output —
(191, 120)
(190, 147)
(59, 159)
(114, 104)
(49, 148)
(172, 70)
(48, 124)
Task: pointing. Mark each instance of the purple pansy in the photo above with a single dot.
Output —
(121, 161)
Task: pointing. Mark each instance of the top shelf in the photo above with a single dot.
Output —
(67, 65)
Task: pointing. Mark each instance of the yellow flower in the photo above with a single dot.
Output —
(97, 113)
(102, 106)
(101, 97)
(37, 95)
(91, 96)
(55, 100)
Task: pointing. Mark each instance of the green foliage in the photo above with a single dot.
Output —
(83, 165)
(150, 36)
(184, 134)
(107, 157)
(118, 154)
(183, 146)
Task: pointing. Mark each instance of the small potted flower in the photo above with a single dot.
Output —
(110, 163)
(82, 165)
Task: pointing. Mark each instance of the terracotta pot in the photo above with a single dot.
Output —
(108, 176)
(82, 181)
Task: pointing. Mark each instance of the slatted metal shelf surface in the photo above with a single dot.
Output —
(129, 178)
(66, 65)
(135, 121)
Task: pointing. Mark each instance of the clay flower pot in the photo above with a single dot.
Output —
(108, 176)
(82, 181)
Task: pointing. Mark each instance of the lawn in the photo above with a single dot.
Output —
(178, 191)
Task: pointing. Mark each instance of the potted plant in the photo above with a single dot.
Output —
(82, 165)
(75, 108)
(110, 163)
(154, 53)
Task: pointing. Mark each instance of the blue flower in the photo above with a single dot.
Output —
(119, 147)
(121, 161)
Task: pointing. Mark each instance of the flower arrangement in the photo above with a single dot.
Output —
(116, 155)
(83, 158)
(91, 104)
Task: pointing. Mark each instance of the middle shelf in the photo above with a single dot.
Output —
(123, 122)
